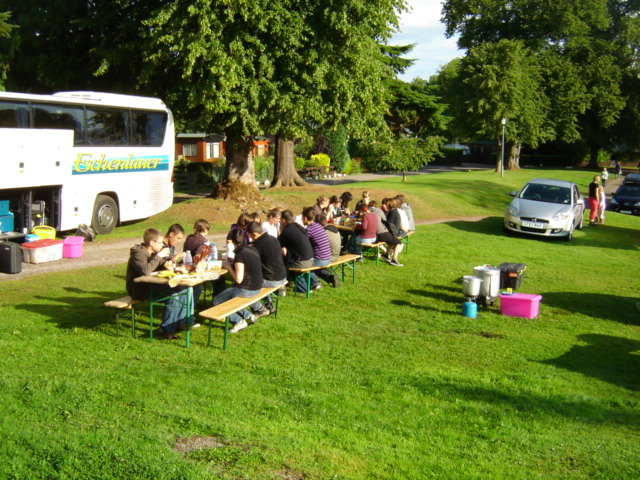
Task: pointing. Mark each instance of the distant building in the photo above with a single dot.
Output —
(204, 147)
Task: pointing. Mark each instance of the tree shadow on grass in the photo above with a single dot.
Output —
(610, 359)
(607, 307)
(426, 308)
(605, 236)
(531, 404)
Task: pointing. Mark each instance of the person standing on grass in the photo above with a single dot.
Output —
(246, 273)
(618, 168)
(602, 205)
(274, 273)
(321, 250)
(295, 247)
(594, 199)
(145, 258)
(605, 176)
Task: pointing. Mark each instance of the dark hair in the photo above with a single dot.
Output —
(346, 197)
(254, 227)
(175, 229)
(151, 234)
(334, 199)
(243, 220)
(309, 213)
(274, 213)
(201, 226)
(288, 216)
(237, 236)
(321, 218)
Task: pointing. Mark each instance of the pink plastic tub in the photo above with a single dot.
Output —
(520, 305)
(72, 247)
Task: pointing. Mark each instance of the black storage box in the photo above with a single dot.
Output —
(511, 275)
(10, 257)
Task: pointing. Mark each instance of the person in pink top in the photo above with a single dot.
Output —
(365, 232)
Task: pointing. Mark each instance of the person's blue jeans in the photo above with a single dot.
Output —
(314, 278)
(175, 310)
(357, 241)
(234, 292)
(267, 300)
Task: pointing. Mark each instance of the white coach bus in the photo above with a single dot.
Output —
(84, 158)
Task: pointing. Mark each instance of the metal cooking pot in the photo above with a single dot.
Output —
(490, 276)
(471, 286)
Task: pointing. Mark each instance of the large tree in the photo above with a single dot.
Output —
(588, 47)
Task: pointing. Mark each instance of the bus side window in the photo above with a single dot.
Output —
(149, 128)
(107, 127)
(14, 115)
(60, 117)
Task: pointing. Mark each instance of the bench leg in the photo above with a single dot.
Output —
(226, 333)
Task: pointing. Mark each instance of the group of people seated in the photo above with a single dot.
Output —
(260, 254)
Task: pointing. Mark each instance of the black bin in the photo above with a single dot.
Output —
(10, 257)
(511, 275)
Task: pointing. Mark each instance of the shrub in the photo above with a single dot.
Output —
(321, 160)
(299, 162)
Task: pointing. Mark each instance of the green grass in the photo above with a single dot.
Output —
(383, 379)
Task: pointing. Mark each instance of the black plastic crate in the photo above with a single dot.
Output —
(511, 275)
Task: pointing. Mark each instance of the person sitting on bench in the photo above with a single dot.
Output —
(246, 272)
(144, 259)
(274, 273)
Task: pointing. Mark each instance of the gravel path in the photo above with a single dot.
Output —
(106, 252)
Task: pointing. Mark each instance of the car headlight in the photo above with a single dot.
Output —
(614, 201)
(513, 211)
(560, 217)
(637, 204)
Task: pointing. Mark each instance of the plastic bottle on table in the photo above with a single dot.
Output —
(213, 256)
(188, 259)
(230, 250)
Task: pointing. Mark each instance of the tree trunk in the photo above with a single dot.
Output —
(284, 169)
(514, 156)
(593, 156)
(239, 166)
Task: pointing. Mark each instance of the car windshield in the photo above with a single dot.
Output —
(629, 191)
(546, 193)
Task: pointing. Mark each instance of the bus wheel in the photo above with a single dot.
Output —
(105, 215)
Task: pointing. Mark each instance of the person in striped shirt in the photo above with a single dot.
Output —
(321, 249)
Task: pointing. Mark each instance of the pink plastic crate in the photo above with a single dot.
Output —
(72, 247)
(520, 305)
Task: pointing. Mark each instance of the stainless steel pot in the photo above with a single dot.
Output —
(490, 276)
(471, 286)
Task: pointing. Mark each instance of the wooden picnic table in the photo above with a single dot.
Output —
(188, 281)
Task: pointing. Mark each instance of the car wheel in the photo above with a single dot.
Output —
(105, 214)
(569, 236)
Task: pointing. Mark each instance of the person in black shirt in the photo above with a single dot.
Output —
(274, 273)
(296, 247)
(246, 272)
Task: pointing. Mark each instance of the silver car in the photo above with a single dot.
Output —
(546, 207)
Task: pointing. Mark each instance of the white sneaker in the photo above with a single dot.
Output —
(195, 325)
(241, 325)
(252, 319)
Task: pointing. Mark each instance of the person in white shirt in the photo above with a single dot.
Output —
(272, 224)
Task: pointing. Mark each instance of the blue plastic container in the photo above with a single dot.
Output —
(470, 309)
(6, 222)
(4, 207)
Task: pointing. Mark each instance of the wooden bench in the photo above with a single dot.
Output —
(311, 172)
(121, 304)
(368, 248)
(343, 261)
(220, 313)
(405, 239)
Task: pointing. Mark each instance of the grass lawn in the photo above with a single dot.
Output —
(383, 379)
